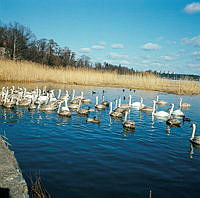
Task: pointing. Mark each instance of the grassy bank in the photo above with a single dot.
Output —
(27, 72)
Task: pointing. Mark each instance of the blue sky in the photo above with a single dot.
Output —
(162, 35)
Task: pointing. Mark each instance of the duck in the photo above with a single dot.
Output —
(128, 123)
(161, 114)
(186, 119)
(93, 120)
(194, 139)
(63, 112)
(91, 109)
(160, 102)
(99, 106)
(115, 114)
(183, 105)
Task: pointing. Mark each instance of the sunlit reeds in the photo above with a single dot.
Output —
(22, 71)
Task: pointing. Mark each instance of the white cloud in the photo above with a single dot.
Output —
(85, 50)
(160, 38)
(150, 46)
(195, 41)
(124, 62)
(182, 51)
(171, 42)
(166, 58)
(102, 43)
(194, 65)
(157, 64)
(117, 55)
(98, 47)
(117, 46)
(192, 8)
(145, 61)
(197, 53)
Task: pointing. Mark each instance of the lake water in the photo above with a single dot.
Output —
(79, 159)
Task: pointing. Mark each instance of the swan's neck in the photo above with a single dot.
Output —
(103, 98)
(141, 100)
(96, 100)
(180, 104)
(193, 130)
(125, 117)
(116, 103)
(59, 94)
(59, 108)
(119, 104)
(157, 98)
(171, 110)
(130, 98)
(154, 108)
(73, 94)
(110, 107)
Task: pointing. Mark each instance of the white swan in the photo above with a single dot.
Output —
(129, 124)
(118, 107)
(75, 106)
(146, 109)
(161, 114)
(138, 105)
(160, 102)
(63, 112)
(106, 103)
(65, 108)
(194, 139)
(114, 114)
(183, 105)
(126, 106)
(99, 106)
(178, 113)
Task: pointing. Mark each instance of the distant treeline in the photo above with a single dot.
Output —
(17, 42)
(21, 44)
(174, 76)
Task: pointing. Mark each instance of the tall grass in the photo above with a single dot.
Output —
(11, 71)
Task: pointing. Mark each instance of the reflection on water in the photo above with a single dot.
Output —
(80, 159)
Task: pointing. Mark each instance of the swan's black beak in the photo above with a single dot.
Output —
(191, 126)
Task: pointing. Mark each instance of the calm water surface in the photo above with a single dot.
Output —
(79, 159)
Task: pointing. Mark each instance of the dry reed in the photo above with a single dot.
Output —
(26, 72)
(38, 190)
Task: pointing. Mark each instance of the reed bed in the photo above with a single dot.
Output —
(29, 72)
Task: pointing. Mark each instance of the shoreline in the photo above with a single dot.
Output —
(27, 72)
(12, 182)
(174, 90)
